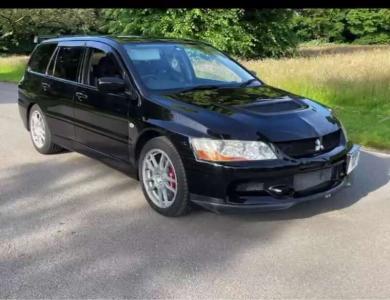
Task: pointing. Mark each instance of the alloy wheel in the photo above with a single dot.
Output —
(37, 127)
(159, 178)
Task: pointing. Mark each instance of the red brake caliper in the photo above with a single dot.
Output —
(171, 174)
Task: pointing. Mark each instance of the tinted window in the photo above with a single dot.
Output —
(40, 58)
(101, 64)
(67, 63)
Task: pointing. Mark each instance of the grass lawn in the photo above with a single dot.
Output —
(12, 68)
(353, 80)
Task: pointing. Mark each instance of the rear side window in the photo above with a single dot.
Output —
(40, 58)
(67, 63)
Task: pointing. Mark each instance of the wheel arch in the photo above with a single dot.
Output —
(30, 105)
(143, 138)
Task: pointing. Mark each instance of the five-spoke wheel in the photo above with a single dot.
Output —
(37, 127)
(40, 132)
(163, 177)
(159, 178)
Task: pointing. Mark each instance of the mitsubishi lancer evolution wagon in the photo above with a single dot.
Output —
(190, 123)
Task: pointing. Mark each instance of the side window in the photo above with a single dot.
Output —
(101, 64)
(40, 58)
(67, 62)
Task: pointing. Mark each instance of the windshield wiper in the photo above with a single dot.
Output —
(248, 82)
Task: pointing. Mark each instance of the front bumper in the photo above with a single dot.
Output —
(265, 203)
(273, 186)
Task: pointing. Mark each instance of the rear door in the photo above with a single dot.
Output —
(102, 118)
(32, 86)
(61, 86)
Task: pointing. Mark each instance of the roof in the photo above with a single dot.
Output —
(124, 39)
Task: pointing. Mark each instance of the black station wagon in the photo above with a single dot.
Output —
(192, 124)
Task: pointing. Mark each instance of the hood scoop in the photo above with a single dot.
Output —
(274, 106)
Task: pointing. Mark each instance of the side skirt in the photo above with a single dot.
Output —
(118, 164)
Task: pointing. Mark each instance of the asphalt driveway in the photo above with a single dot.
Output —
(71, 227)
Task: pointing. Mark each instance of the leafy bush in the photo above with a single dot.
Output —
(326, 25)
(361, 26)
(242, 33)
(19, 26)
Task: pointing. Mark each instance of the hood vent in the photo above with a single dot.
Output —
(275, 106)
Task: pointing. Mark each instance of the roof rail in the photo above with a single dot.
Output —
(40, 38)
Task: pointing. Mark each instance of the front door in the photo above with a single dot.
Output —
(101, 118)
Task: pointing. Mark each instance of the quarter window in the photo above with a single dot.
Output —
(67, 63)
(40, 58)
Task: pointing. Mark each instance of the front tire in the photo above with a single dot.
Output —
(163, 178)
(40, 132)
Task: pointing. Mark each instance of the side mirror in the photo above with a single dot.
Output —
(253, 72)
(111, 85)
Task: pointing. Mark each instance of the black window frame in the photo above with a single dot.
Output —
(53, 59)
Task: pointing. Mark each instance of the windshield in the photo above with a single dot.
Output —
(163, 66)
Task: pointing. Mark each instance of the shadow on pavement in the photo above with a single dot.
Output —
(104, 241)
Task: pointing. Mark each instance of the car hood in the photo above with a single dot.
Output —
(261, 112)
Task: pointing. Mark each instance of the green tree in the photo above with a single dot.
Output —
(243, 33)
(19, 26)
(364, 26)
(327, 25)
(369, 26)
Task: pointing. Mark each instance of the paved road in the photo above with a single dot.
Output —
(73, 227)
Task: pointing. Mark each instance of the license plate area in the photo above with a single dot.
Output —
(305, 181)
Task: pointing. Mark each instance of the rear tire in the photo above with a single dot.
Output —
(163, 178)
(40, 133)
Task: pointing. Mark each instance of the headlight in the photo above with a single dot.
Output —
(335, 116)
(230, 150)
(344, 131)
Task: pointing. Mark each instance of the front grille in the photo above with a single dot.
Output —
(307, 147)
(295, 185)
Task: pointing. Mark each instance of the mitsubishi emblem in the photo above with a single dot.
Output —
(319, 145)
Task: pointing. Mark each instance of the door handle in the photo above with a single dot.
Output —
(45, 86)
(81, 96)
